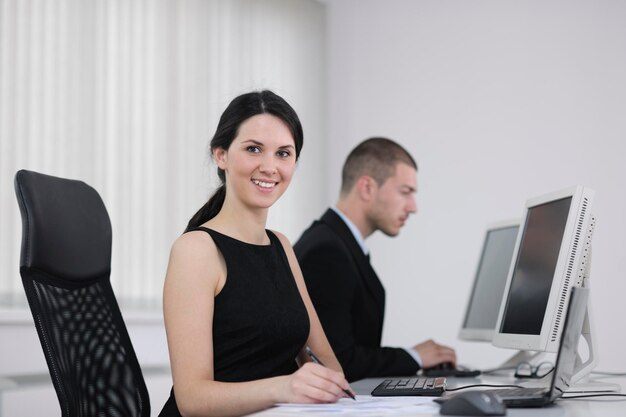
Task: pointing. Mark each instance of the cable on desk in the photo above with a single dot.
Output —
(592, 395)
(483, 385)
(495, 370)
(609, 373)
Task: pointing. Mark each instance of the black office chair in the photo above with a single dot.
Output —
(65, 266)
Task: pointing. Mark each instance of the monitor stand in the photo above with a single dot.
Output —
(520, 357)
(580, 382)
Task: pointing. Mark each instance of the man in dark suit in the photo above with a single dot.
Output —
(379, 182)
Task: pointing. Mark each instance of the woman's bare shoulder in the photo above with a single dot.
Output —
(194, 244)
(194, 255)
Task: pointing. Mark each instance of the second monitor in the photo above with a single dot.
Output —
(481, 315)
(483, 306)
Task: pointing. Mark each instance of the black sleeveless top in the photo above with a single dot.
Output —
(260, 322)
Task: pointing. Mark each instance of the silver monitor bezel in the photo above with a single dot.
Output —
(571, 255)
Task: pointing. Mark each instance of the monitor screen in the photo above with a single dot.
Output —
(535, 266)
(481, 315)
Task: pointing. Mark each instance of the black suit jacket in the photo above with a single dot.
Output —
(349, 299)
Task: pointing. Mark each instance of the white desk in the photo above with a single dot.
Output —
(592, 407)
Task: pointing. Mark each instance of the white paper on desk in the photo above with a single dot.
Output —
(365, 405)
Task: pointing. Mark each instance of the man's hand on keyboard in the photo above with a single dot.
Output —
(433, 353)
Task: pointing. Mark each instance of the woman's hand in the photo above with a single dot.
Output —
(314, 383)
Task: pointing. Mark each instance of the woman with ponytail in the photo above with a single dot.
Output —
(237, 313)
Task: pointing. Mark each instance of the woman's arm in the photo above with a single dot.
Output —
(195, 274)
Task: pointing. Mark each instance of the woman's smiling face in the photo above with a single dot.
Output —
(260, 162)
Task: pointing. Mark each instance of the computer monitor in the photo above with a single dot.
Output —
(552, 254)
(481, 314)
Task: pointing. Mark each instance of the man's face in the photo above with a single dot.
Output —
(394, 201)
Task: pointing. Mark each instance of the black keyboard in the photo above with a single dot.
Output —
(432, 387)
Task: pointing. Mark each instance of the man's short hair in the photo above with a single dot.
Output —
(376, 157)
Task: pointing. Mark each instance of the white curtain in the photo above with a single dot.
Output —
(125, 96)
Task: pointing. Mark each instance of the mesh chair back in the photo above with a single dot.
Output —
(65, 268)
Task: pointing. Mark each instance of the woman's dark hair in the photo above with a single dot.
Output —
(238, 111)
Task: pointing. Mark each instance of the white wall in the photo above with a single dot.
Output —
(498, 101)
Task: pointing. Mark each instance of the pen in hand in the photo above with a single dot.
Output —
(319, 362)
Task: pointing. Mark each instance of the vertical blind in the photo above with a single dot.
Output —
(125, 95)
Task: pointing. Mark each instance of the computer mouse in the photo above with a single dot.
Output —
(473, 403)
